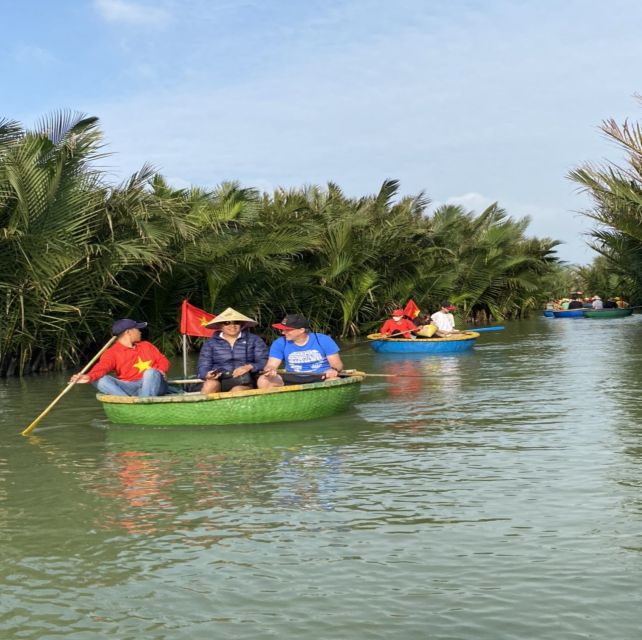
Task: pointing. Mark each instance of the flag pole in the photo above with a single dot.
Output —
(185, 355)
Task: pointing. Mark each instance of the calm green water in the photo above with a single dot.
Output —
(498, 497)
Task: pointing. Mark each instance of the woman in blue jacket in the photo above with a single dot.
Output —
(233, 357)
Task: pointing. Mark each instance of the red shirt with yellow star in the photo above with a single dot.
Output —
(129, 363)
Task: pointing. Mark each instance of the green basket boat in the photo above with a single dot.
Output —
(607, 313)
(294, 403)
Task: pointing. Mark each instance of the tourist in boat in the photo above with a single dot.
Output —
(231, 359)
(610, 303)
(597, 303)
(140, 368)
(308, 356)
(575, 303)
(444, 320)
(425, 327)
(398, 326)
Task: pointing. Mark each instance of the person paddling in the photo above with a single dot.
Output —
(141, 369)
(398, 326)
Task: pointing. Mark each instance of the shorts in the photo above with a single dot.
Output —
(302, 378)
(228, 382)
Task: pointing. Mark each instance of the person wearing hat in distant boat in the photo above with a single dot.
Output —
(140, 368)
(231, 359)
(597, 303)
(444, 320)
(398, 326)
(308, 356)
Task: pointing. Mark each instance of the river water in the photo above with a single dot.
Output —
(498, 496)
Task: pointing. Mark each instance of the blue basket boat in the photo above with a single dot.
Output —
(569, 313)
(452, 344)
(548, 313)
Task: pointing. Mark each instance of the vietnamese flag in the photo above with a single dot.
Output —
(411, 310)
(193, 321)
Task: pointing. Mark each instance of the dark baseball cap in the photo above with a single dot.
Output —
(125, 323)
(292, 321)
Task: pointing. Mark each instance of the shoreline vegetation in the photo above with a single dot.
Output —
(78, 252)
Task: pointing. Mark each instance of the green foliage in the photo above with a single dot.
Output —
(77, 253)
(617, 212)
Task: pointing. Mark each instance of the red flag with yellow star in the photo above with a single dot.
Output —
(411, 310)
(193, 321)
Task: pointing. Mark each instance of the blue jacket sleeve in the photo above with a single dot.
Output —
(259, 353)
(205, 360)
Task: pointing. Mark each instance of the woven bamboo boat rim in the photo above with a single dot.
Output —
(357, 376)
(456, 337)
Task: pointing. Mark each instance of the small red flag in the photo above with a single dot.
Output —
(193, 321)
(411, 310)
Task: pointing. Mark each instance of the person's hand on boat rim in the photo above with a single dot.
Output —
(270, 373)
(330, 374)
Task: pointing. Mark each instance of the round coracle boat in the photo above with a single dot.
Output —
(452, 344)
(569, 313)
(256, 406)
(607, 313)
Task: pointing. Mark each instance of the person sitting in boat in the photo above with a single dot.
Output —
(575, 304)
(398, 326)
(425, 328)
(444, 320)
(610, 303)
(231, 359)
(308, 356)
(141, 369)
(597, 303)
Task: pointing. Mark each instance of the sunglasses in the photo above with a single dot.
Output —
(228, 322)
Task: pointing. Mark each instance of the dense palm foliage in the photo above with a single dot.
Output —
(78, 252)
(617, 213)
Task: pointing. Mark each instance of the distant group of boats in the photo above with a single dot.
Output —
(589, 313)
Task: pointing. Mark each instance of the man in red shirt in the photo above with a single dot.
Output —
(141, 369)
(398, 326)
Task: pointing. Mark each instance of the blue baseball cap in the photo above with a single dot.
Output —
(125, 323)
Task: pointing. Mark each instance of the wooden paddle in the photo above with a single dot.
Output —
(33, 425)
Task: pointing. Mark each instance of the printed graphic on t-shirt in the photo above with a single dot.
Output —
(305, 360)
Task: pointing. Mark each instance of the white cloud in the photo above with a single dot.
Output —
(132, 13)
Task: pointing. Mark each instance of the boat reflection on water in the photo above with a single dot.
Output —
(190, 480)
(417, 390)
(416, 374)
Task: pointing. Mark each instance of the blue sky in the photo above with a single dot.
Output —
(470, 101)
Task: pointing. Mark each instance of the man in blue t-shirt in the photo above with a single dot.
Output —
(308, 356)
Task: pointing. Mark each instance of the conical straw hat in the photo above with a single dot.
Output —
(231, 314)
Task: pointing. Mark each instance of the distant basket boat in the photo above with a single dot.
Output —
(607, 313)
(257, 406)
(569, 313)
(452, 344)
